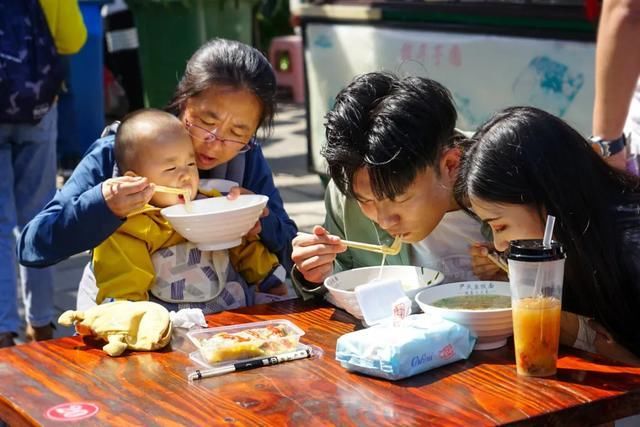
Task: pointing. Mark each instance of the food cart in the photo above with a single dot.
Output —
(489, 54)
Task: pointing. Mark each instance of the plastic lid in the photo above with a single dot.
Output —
(376, 299)
(533, 251)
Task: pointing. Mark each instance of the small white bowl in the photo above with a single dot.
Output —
(216, 223)
(341, 286)
(491, 326)
(222, 185)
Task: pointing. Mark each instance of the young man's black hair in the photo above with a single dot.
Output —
(395, 127)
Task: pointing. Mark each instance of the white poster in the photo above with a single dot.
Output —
(484, 73)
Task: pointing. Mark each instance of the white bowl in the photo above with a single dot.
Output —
(216, 223)
(491, 326)
(341, 286)
(222, 185)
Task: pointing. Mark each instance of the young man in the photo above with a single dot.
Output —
(393, 154)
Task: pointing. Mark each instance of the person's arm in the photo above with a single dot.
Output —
(78, 218)
(316, 255)
(252, 260)
(123, 268)
(277, 228)
(259, 267)
(617, 69)
(66, 24)
(334, 222)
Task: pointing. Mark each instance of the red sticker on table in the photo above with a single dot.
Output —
(72, 411)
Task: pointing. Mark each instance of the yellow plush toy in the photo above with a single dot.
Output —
(139, 325)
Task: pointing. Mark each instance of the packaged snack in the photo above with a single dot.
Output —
(420, 343)
(246, 341)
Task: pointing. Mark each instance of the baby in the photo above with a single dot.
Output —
(146, 258)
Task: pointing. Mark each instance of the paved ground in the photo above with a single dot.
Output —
(302, 192)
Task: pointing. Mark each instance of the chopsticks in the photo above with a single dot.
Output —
(494, 257)
(171, 190)
(394, 249)
(497, 260)
(185, 193)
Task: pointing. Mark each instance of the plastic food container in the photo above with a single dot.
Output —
(245, 341)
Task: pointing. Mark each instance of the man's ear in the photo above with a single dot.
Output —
(450, 164)
(130, 173)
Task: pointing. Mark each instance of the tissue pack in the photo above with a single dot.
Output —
(420, 343)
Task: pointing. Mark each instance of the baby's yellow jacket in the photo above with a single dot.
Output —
(122, 264)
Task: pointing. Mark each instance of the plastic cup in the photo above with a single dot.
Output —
(536, 274)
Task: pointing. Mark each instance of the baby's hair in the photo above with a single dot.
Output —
(139, 126)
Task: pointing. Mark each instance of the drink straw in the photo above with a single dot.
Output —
(548, 231)
(546, 242)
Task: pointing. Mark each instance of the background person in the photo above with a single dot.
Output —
(616, 73)
(28, 134)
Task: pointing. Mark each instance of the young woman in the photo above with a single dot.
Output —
(226, 94)
(524, 164)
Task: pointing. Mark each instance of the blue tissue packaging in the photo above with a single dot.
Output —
(422, 342)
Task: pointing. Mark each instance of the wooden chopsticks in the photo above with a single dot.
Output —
(394, 249)
(494, 257)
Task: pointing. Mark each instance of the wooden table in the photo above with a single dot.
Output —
(151, 388)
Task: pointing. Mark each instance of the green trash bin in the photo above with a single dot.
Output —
(170, 31)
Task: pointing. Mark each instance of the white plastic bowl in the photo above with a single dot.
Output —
(222, 185)
(216, 223)
(492, 326)
(341, 286)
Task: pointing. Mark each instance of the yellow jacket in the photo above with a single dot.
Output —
(122, 264)
(66, 24)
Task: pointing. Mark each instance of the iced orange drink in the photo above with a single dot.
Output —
(536, 334)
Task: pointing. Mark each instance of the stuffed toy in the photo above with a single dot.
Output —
(139, 325)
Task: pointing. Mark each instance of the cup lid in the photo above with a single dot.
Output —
(532, 250)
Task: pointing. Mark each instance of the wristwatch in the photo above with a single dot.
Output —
(607, 148)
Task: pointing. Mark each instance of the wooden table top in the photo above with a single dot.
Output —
(150, 388)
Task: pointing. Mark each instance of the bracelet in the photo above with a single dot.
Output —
(608, 148)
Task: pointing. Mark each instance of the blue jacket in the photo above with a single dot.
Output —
(78, 218)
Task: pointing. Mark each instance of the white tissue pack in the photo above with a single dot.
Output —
(420, 343)
(399, 345)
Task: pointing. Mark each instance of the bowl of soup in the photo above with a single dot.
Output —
(482, 306)
(341, 286)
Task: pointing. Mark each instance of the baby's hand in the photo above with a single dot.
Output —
(125, 194)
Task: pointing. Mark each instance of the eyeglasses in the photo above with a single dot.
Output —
(211, 136)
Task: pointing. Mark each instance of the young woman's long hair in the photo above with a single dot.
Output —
(527, 156)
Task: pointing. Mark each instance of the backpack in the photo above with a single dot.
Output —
(31, 71)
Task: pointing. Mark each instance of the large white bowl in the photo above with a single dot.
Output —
(492, 326)
(216, 223)
(341, 286)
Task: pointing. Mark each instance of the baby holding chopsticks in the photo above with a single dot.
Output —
(147, 259)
